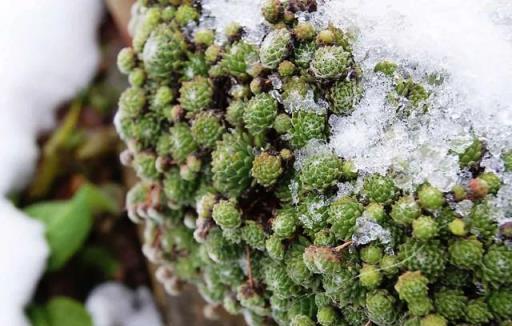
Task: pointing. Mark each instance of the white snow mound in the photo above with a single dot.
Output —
(114, 304)
(49, 53)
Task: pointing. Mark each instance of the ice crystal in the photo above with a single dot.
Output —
(367, 230)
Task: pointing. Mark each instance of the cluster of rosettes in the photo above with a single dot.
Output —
(214, 131)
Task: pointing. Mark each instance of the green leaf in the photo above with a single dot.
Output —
(38, 316)
(68, 223)
(99, 199)
(45, 211)
(60, 311)
(67, 312)
(99, 259)
(67, 227)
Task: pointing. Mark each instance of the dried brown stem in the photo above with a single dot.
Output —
(343, 246)
(249, 267)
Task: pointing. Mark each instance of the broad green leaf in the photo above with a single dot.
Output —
(38, 316)
(99, 199)
(67, 312)
(45, 211)
(60, 311)
(68, 223)
(67, 226)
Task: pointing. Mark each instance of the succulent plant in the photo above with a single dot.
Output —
(371, 254)
(266, 169)
(131, 102)
(477, 312)
(405, 210)
(424, 228)
(433, 320)
(412, 288)
(496, 265)
(163, 52)
(472, 154)
(306, 126)
(370, 276)
(182, 141)
(343, 214)
(250, 204)
(226, 215)
(500, 304)
(380, 189)
(330, 62)
(385, 67)
(275, 47)
(466, 253)
(206, 129)
(344, 95)
(450, 303)
(430, 197)
(126, 60)
(285, 223)
(381, 308)
(425, 256)
(320, 171)
(238, 59)
(260, 113)
(231, 163)
(196, 95)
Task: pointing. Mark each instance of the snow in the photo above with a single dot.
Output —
(114, 304)
(501, 204)
(48, 53)
(463, 208)
(345, 189)
(466, 42)
(296, 102)
(247, 13)
(22, 267)
(367, 230)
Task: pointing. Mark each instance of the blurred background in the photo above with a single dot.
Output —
(68, 254)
